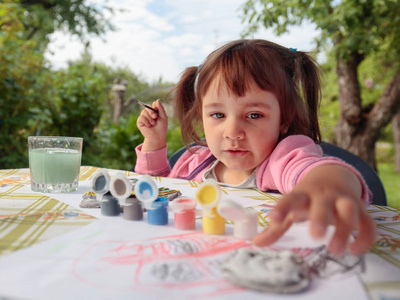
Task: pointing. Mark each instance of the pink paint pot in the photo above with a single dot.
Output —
(184, 209)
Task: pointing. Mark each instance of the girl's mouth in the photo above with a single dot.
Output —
(236, 152)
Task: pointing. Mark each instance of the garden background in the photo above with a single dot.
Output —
(94, 100)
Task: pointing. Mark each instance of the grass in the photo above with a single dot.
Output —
(391, 181)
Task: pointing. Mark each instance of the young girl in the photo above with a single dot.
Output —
(257, 103)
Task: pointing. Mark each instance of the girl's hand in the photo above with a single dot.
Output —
(153, 127)
(326, 195)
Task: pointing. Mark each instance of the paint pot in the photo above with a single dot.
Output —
(208, 196)
(244, 219)
(213, 223)
(133, 209)
(146, 190)
(157, 214)
(101, 184)
(246, 229)
(184, 209)
(109, 206)
(121, 187)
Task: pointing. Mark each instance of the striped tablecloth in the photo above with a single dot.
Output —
(27, 218)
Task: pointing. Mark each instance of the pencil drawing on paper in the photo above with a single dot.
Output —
(191, 261)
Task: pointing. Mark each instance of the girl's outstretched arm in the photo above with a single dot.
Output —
(153, 127)
(328, 194)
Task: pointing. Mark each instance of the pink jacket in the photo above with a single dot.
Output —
(290, 161)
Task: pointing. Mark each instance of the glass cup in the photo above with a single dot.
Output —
(54, 163)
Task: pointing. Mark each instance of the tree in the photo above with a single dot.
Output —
(34, 99)
(354, 30)
(23, 88)
(396, 138)
(78, 17)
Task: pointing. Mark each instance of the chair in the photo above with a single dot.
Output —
(174, 157)
(371, 177)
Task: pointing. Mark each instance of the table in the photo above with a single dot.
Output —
(50, 247)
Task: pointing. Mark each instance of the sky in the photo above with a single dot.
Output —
(160, 38)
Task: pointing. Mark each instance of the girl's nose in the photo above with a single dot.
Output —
(233, 131)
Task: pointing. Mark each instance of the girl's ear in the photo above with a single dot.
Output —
(284, 129)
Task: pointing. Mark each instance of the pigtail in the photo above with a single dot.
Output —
(185, 106)
(308, 75)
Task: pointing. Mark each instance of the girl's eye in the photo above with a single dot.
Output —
(254, 116)
(217, 115)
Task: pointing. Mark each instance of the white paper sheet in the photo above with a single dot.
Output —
(117, 259)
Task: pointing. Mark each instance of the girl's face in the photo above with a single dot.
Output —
(241, 132)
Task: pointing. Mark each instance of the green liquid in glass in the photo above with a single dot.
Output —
(54, 166)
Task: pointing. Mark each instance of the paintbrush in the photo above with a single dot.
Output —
(146, 105)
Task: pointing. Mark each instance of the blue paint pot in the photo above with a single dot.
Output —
(158, 213)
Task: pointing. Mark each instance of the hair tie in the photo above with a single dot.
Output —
(293, 49)
(196, 80)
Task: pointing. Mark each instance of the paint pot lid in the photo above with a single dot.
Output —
(208, 194)
(120, 186)
(101, 182)
(183, 203)
(146, 189)
(232, 210)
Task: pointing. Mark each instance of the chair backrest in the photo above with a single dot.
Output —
(371, 177)
(174, 157)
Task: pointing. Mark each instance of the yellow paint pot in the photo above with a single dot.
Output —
(213, 223)
(208, 196)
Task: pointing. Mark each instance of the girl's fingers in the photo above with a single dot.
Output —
(160, 108)
(145, 119)
(272, 233)
(366, 234)
(149, 117)
(295, 204)
(346, 219)
(321, 215)
(291, 208)
(322, 209)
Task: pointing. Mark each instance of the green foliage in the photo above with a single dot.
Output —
(115, 145)
(377, 69)
(385, 152)
(350, 26)
(35, 100)
(23, 82)
(79, 17)
(372, 68)
(79, 104)
(330, 108)
(391, 181)
(135, 84)
(85, 103)
(174, 137)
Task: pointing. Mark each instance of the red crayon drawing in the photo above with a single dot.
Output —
(160, 266)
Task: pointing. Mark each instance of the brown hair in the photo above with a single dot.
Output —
(293, 76)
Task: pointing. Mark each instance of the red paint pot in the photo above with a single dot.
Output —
(184, 213)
